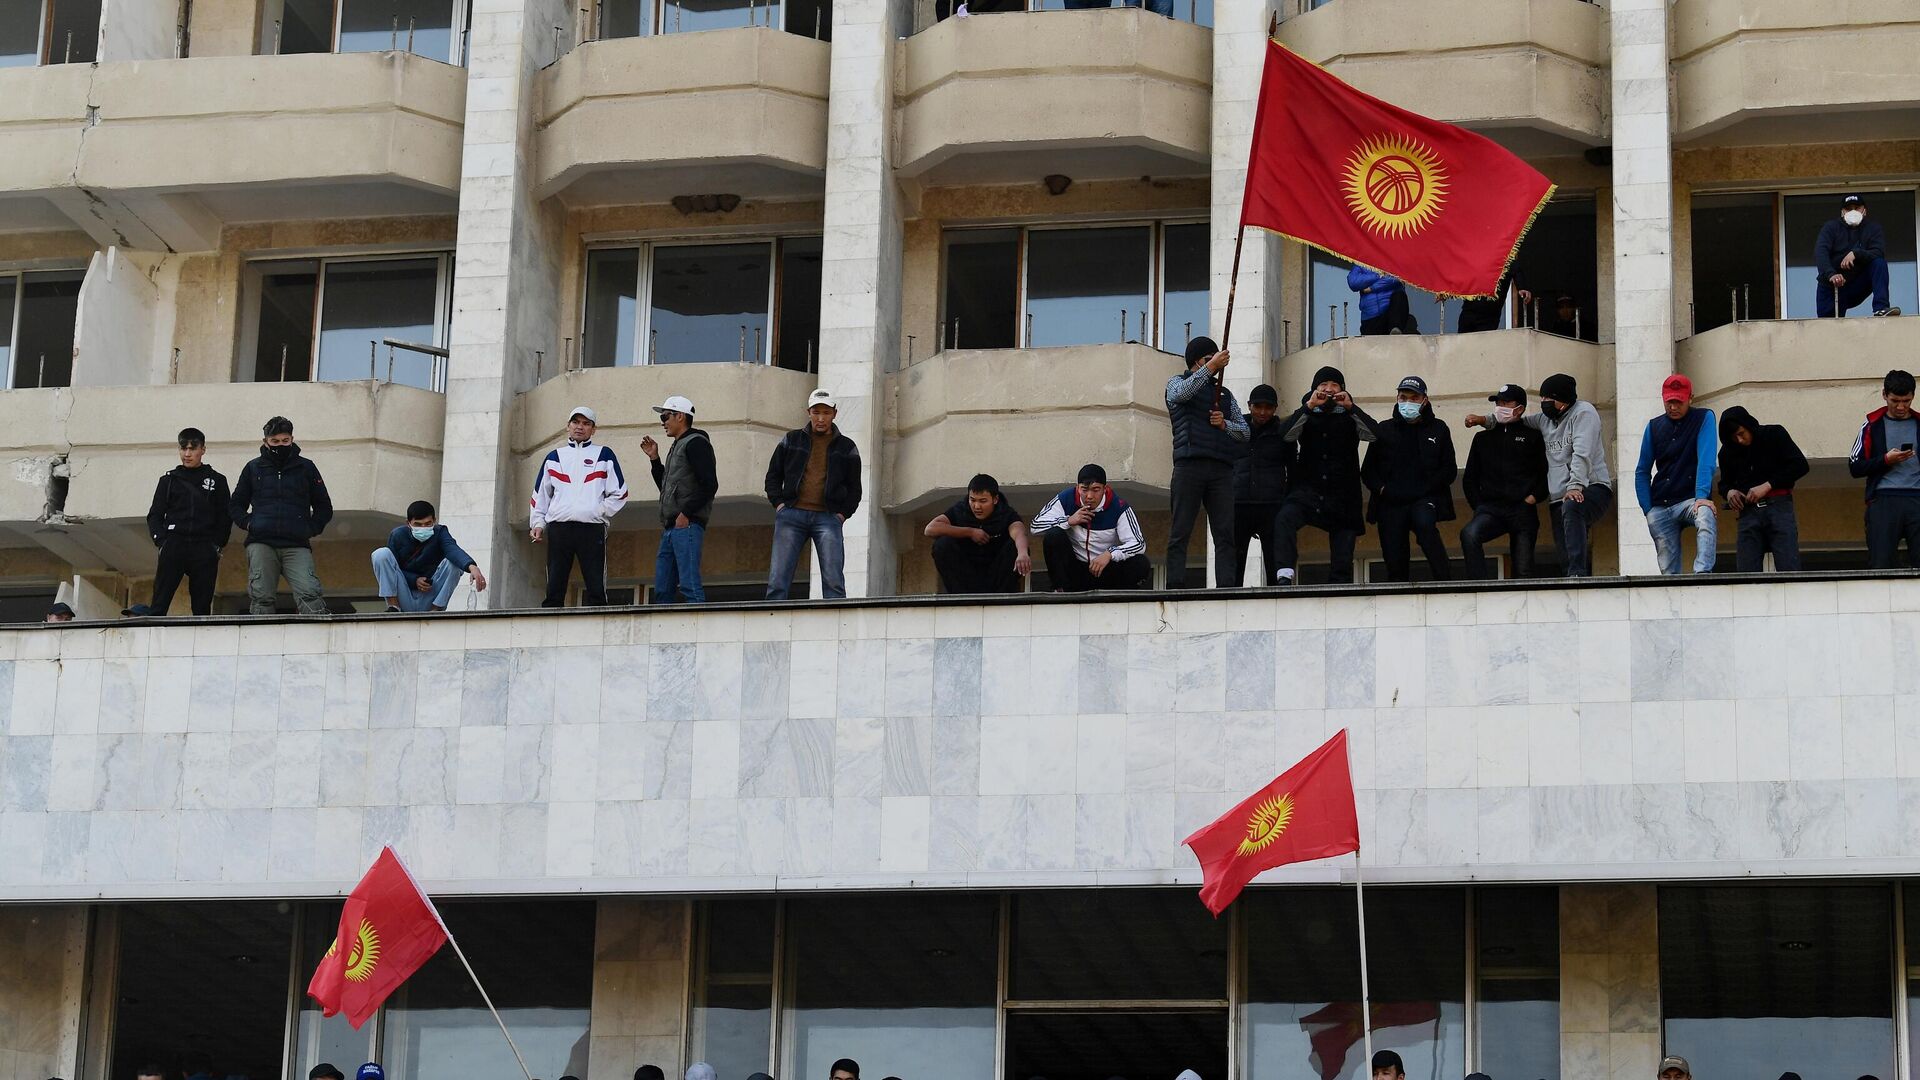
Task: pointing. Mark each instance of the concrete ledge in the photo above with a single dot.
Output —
(1064, 407)
(1121, 92)
(1460, 369)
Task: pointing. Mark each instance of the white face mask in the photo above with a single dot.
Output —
(1854, 217)
(422, 533)
(1409, 410)
(1505, 413)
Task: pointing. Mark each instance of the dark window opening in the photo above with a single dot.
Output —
(40, 310)
(1733, 259)
(1185, 287)
(799, 305)
(1099, 1045)
(288, 293)
(613, 307)
(202, 979)
(982, 290)
(73, 31)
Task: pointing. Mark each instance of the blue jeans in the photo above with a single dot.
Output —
(792, 528)
(1158, 7)
(677, 568)
(1665, 523)
(396, 583)
(1857, 288)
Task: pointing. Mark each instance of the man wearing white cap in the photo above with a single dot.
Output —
(813, 482)
(579, 488)
(687, 483)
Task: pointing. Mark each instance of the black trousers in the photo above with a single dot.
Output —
(1398, 316)
(1572, 522)
(1420, 519)
(1251, 519)
(566, 542)
(1071, 575)
(196, 560)
(1478, 316)
(1197, 484)
(1891, 519)
(1295, 515)
(1521, 522)
(1773, 527)
(967, 567)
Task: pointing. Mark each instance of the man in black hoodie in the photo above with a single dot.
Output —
(282, 504)
(1328, 429)
(1758, 466)
(1505, 483)
(189, 524)
(1260, 478)
(1410, 471)
(1851, 259)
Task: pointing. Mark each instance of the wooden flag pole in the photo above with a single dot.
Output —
(1366, 998)
(1226, 327)
(528, 1073)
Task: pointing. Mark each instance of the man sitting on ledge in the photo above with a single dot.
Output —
(1092, 538)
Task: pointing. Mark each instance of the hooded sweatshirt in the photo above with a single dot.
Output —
(1772, 459)
(1576, 448)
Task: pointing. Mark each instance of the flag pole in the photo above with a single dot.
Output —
(1366, 998)
(528, 1073)
(1226, 328)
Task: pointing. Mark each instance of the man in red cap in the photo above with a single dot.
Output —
(1674, 479)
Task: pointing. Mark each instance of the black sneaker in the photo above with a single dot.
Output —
(137, 611)
(1892, 311)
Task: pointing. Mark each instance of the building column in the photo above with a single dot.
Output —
(1642, 250)
(506, 295)
(1609, 982)
(642, 953)
(862, 257)
(43, 950)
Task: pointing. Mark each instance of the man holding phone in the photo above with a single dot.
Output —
(1883, 455)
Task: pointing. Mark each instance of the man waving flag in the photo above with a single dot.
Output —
(1306, 813)
(1432, 204)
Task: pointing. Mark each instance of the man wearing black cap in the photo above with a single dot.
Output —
(1578, 480)
(1410, 471)
(1092, 538)
(1851, 258)
(1260, 478)
(1328, 429)
(59, 613)
(1208, 436)
(1506, 480)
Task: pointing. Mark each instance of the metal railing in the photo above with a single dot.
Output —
(927, 13)
(437, 361)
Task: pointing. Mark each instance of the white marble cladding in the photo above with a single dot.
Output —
(1548, 735)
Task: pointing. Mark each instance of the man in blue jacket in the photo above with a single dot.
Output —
(1383, 303)
(1674, 478)
(1851, 257)
(421, 564)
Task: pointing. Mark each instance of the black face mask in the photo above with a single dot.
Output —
(280, 455)
(1553, 411)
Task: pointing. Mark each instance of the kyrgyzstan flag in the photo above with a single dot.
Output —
(1306, 813)
(1427, 202)
(387, 930)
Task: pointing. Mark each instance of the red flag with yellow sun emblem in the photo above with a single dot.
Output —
(387, 930)
(1432, 204)
(1306, 813)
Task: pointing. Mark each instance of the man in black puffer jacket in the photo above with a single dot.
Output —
(1758, 466)
(1260, 478)
(1325, 491)
(1505, 483)
(282, 504)
(1410, 472)
(189, 524)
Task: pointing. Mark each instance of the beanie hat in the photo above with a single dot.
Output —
(1560, 387)
(1199, 349)
(1264, 395)
(1330, 374)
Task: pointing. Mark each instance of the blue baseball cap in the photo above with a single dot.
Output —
(370, 1071)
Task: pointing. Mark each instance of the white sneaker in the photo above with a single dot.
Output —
(1283, 577)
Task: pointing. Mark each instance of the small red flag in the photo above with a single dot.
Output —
(1306, 813)
(1427, 202)
(389, 928)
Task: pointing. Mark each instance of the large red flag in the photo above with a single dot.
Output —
(390, 929)
(1306, 813)
(1432, 204)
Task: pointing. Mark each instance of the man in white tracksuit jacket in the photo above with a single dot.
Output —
(580, 487)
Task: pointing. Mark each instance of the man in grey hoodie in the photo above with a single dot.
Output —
(1578, 481)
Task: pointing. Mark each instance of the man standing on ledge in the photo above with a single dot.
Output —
(1209, 434)
(687, 482)
(579, 489)
(282, 504)
(1674, 479)
(813, 482)
(1883, 455)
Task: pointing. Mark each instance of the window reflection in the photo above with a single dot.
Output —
(73, 31)
(1184, 301)
(363, 304)
(422, 27)
(1517, 1025)
(710, 303)
(1087, 286)
(1110, 944)
(733, 1002)
(19, 34)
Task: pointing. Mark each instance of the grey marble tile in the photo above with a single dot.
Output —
(210, 694)
(858, 756)
(1103, 673)
(249, 779)
(664, 837)
(68, 836)
(856, 835)
(1201, 684)
(393, 682)
(76, 704)
(1505, 826)
(303, 692)
(349, 686)
(1099, 831)
(526, 841)
(1050, 831)
(123, 686)
(909, 677)
(437, 692)
(786, 758)
(343, 771)
(1300, 671)
(485, 678)
(1153, 671)
(1150, 829)
(6, 697)
(907, 765)
(1794, 820)
(1249, 672)
(35, 684)
(861, 677)
(670, 687)
(953, 839)
(958, 675)
(809, 836)
(617, 838)
(1681, 659)
(1349, 668)
(955, 755)
(139, 772)
(576, 683)
(526, 765)
(1200, 760)
(762, 834)
(292, 844)
(1005, 686)
(26, 770)
(1002, 832)
(1152, 752)
(713, 837)
(766, 668)
(530, 686)
(1399, 827)
(718, 672)
(256, 693)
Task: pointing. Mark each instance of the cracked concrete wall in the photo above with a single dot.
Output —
(123, 302)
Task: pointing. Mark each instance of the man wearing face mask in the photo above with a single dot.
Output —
(1851, 257)
(1410, 472)
(1505, 482)
(421, 564)
(1578, 480)
(281, 503)
(1327, 429)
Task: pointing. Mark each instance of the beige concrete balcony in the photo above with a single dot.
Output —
(1460, 369)
(1784, 71)
(1014, 96)
(1530, 73)
(743, 408)
(1819, 377)
(1031, 417)
(160, 154)
(377, 445)
(631, 120)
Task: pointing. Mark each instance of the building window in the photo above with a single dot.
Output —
(1755, 980)
(1046, 286)
(639, 18)
(329, 319)
(732, 1020)
(435, 29)
(682, 303)
(1754, 252)
(49, 32)
(37, 315)
(1517, 952)
(1801, 217)
(1732, 259)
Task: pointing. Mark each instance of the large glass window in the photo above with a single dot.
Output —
(20, 25)
(1198, 12)
(435, 29)
(677, 303)
(1069, 1044)
(1732, 259)
(903, 984)
(1051, 286)
(1801, 219)
(37, 316)
(1755, 980)
(202, 985)
(634, 18)
(318, 1037)
(1517, 1015)
(1302, 1014)
(329, 319)
(733, 996)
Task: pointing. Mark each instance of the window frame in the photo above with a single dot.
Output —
(11, 339)
(643, 351)
(460, 22)
(257, 266)
(1781, 266)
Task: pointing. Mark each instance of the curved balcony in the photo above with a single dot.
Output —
(1460, 369)
(1781, 71)
(1060, 408)
(743, 408)
(1095, 94)
(630, 120)
(1530, 73)
(159, 154)
(1817, 376)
